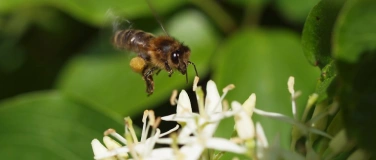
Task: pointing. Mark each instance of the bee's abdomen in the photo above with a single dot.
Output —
(134, 40)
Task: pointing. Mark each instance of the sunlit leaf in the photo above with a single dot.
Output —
(48, 125)
(260, 61)
(109, 82)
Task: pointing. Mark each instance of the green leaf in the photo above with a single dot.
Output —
(356, 94)
(354, 46)
(317, 32)
(325, 83)
(93, 12)
(47, 125)
(295, 10)
(355, 32)
(260, 61)
(108, 81)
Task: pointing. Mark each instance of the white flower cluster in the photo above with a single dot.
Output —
(195, 139)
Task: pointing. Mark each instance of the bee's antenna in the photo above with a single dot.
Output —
(157, 17)
(189, 62)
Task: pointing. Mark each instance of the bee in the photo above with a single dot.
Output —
(154, 53)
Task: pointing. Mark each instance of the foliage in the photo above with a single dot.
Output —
(61, 52)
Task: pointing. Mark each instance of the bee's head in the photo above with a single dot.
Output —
(176, 54)
(180, 57)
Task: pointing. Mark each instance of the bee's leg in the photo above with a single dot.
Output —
(168, 69)
(159, 70)
(148, 77)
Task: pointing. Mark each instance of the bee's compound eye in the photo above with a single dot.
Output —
(175, 57)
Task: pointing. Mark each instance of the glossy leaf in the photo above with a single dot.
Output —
(93, 12)
(260, 61)
(355, 30)
(108, 81)
(317, 32)
(47, 125)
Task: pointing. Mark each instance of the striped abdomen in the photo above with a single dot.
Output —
(133, 40)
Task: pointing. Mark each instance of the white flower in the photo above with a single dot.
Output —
(203, 125)
(193, 146)
(143, 149)
(243, 122)
(209, 115)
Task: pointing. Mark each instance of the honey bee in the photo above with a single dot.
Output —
(154, 53)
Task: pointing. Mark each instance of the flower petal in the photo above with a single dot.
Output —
(98, 147)
(261, 137)
(243, 123)
(192, 152)
(161, 153)
(250, 104)
(110, 154)
(213, 99)
(222, 144)
(184, 104)
(209, 128)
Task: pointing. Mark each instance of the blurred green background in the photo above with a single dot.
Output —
(62, 83)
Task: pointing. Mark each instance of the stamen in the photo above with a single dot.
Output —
(225, 105)
(290, 85)
(151, 118)
(173, 97)
(129, 124)
(228, 88)
(146, 112)
(109, 131)
(144, 117)
(170, 131)
(157, 122)
(195, 83)
(116, 135)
